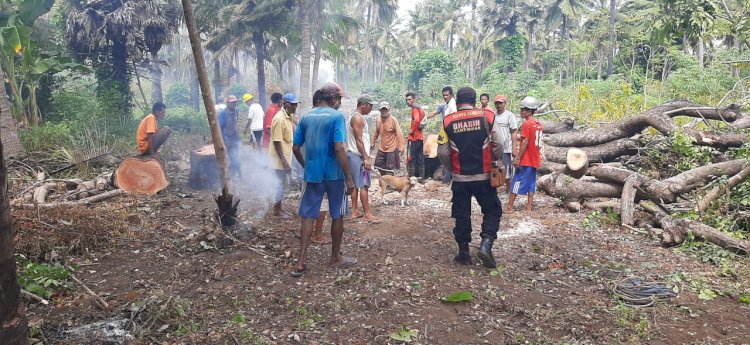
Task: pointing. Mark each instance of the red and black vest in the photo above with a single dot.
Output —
(468, 136)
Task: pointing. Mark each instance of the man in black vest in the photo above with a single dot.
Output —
(468, 145)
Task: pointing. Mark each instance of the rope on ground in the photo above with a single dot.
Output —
(635, 292)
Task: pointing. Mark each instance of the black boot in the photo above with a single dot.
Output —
(463, 257)
(485, 253)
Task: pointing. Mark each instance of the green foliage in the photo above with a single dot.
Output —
(185, 119)
(690, 156)
(47, 137)
(391, 92)
(430, 61)
(177, 95)
(236, 90)
(698, 84)
(511, 56)
(74, 100)
(597, 219)
(42, 279)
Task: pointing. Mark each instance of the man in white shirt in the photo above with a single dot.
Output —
(508, 125)
(254, 119)
(358, 150)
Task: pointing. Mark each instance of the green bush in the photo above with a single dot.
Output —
(177, 95)
(185, 119)
(431, 61)
(74, 100)
(47, 137)
(391, 92)
(237, 90)
(701, 85)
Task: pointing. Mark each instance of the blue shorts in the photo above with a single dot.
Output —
(312, 197)
(360, 175)
(524, 181)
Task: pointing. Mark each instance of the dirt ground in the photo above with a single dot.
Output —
(170, 277)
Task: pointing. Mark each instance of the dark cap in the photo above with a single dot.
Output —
(466, 95)
(365, 98)
(332, 89)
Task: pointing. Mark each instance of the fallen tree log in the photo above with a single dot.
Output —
(553, 127)
(627, 201)
(655, 118)
(141, 175)
(742, 123)
(674, 231)
(550, 167)
(667, 191)
(714, 194)
(570, 189)
(577, 162)
(606, 152)
(83, 202)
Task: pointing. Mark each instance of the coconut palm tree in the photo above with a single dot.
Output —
(112, 35)
(158, 33)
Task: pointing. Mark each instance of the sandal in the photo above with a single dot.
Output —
(297, 274)
(347, 262)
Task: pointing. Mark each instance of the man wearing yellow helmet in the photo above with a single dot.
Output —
(254, 119)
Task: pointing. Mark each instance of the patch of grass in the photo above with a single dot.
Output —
(597, 219)
(633, 320)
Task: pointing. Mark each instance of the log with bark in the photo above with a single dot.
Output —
(605, 152)
(660, 118)
(82, 202)
(714, 193)
(667, 191)
(141, 175)
(552, 127)
(570, 189)
(674, 231)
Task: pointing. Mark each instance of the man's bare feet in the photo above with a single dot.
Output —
(343, 262)
(356, 215)
(508, 211)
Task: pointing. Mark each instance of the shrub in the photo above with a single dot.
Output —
(47, 137)
(715, 82)
(42, 279)
(185, 119)
(177, 95)
(430, 61)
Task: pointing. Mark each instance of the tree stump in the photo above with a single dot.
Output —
(141, 175)
(204, 170)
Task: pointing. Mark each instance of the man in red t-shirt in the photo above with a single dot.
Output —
(415, 161)
(272, 110)
(529, 157)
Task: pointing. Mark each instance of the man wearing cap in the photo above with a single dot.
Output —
(282, 132)
(528, 158)
(254, 119)
(449, 107)
(415, 160)
(358, 151)
(388, 158)
(508, 126)
(272, 110)
(323, 133)
(230, 133)
(467, 144)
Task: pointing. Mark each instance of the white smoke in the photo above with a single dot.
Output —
(258, 183)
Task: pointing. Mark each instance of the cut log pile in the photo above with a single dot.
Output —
(52, 193)
(585, 170)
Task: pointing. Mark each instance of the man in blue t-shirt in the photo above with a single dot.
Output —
(323, 133)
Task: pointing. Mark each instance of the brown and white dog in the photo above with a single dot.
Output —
(401, 184)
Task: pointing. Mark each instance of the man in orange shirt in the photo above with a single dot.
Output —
(484, 99)
(415, 160)
(388, 158)
(149, 137)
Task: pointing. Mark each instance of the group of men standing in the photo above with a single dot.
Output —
(334, 152)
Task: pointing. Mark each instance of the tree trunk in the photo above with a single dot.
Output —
(701, 50)
(8, 128)
(675, 231)
(304, 82)
(658, 118)
(156, 74)
(668, 190)
(612, 39)
(606, 152)
(577, 163)
(627, 201)
(260, 58)
(195, 91)
(570, 189)
(716, 192)
(13, 324)
(203, 168)
(316, 62)
(471, 42)
(217, 79)
(366, 51)
(551, 127)
(529, 46)
(227, 208)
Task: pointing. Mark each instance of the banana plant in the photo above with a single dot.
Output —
(23, 62)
